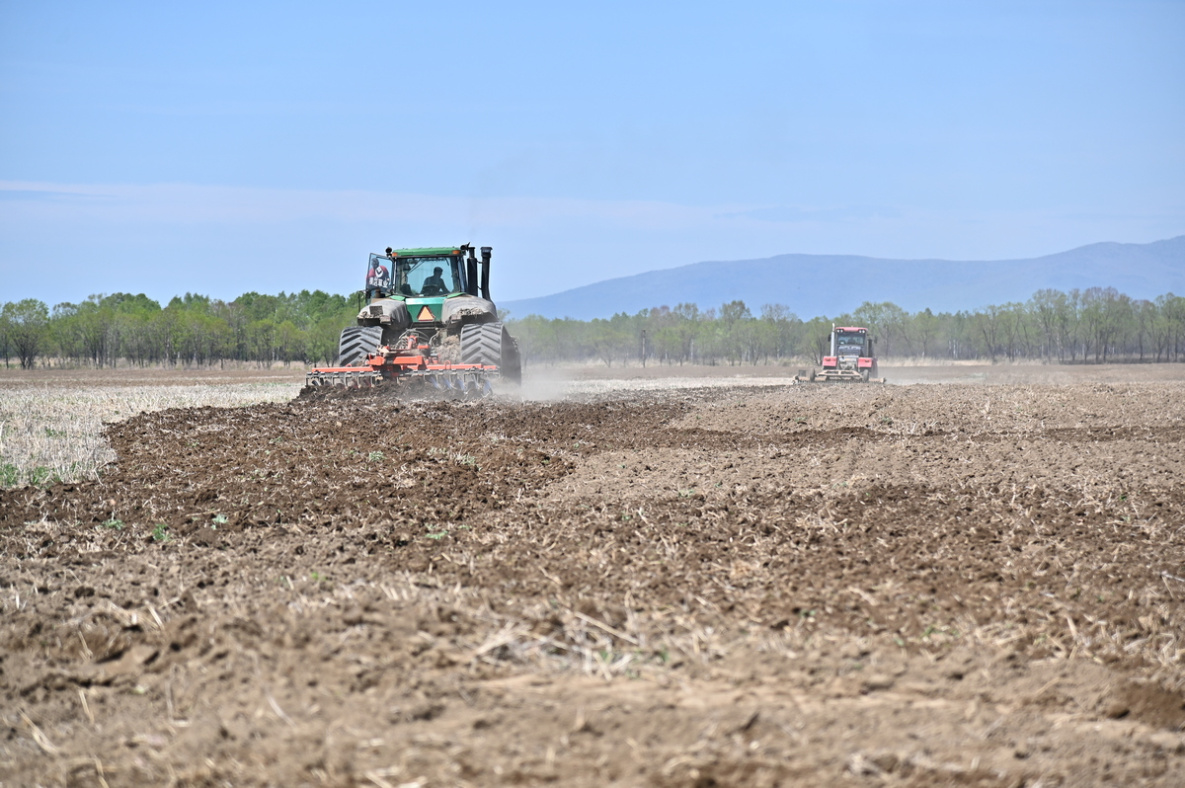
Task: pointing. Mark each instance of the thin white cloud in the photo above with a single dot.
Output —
(179, 203)
(190, 204)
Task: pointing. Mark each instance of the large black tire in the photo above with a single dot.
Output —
(482, 344)
(357, 342)
(490, 344)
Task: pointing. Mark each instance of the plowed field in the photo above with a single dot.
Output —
(731, 585)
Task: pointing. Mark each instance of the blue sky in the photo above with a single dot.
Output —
(225, 147)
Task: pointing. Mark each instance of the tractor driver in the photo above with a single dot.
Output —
(434, 284)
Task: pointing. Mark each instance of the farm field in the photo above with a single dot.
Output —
(52, 425)
(668, 578)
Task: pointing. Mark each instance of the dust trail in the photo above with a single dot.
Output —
(546, 385)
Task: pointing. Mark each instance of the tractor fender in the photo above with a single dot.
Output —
(389, 313)
(468, 309)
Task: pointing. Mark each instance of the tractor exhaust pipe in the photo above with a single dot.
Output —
(486, 251)
(471, 272)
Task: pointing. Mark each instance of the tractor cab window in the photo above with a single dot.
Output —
(849, 343)
(378, 275)
(427, 276)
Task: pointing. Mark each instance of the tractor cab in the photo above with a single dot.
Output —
(851, 344)
(436, 273)
(416, 273)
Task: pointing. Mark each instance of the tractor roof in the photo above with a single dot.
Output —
(428, 251)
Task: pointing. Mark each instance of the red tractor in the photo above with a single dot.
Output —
(850, 361)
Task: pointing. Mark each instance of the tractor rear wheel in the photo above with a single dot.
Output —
(357, 342)
(491, 345)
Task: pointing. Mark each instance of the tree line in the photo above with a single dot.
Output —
(1096, 325)
(192, 330)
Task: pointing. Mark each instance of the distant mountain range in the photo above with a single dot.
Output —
(830, 285)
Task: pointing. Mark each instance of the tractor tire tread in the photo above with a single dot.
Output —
(357, 342)
(491, 345)
(482, 344)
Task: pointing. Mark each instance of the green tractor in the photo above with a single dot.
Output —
(429, 320)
